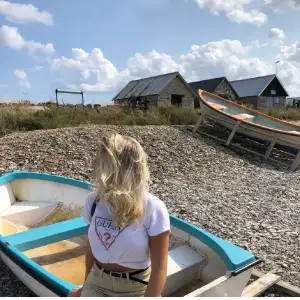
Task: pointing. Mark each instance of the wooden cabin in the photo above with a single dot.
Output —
(262, 92)
(165, 89)
(219, 86)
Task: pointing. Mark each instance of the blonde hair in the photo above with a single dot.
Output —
(121, 177)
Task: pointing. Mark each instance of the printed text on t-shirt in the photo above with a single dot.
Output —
(107, 231)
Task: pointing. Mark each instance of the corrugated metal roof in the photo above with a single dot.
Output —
(208, 85)
(252, 86)
(145, 86)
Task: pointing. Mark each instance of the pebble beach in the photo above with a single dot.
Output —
(235, 195)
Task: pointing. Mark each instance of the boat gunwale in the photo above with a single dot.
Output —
(227, 251)
(200, 92)
(17, 174)
(50, 281)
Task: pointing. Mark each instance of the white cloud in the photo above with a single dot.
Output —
(236, 10)
(22, 78)
(279, 5)
(291, 52)
(290, 76)
(276, 34)
(83, 66)
(257, 44)
(10, 37)
(152, 63)
(231, 59)
(24, 13)
(289, 67)
(93, 72)
(252, 17)
(223, 58)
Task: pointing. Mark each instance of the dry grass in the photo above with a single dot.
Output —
(289, 113)
(24, 118)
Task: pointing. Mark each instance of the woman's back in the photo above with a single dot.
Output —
(127, 246)
(129, 229)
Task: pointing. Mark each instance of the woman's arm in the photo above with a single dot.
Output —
(89, 260)
(159, 249)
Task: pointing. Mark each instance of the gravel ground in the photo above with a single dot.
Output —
(231, 194)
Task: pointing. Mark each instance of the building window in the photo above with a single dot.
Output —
(176, 100)
(273, 92)
(276, 100)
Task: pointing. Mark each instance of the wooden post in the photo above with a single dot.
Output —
(56, 97)
(234, 129)
(270, 148)
(199, 122)
(296, 162)
(69, 92)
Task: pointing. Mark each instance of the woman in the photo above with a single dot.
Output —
(128, 235)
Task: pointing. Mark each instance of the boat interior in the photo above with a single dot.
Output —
(26, 207)
(250, 116)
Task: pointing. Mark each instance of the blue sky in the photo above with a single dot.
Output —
(98, 46)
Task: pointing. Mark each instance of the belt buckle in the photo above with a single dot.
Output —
(115, 274)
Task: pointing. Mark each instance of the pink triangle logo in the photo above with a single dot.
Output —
(106, 231)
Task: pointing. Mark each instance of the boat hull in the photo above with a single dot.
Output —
(247, 128)
(34, 285)
(221, 281)
(219, 267)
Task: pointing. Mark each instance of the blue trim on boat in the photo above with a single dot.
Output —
(233, 256)
(13, 175)
(58, 286)
(45, 235)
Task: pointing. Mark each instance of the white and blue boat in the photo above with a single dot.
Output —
(251, 123)
(43, 236)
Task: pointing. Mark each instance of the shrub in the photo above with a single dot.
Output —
(276, 113)
(293, 114)
(21, 118)
(287, 113)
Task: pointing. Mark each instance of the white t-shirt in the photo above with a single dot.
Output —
(129, 246)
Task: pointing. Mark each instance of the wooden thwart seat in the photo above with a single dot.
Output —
(217, 106)
(243, 116)
(28, 213)
(46, 235)
(184, 264)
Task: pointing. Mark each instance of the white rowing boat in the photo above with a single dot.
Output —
(249, 122)
(43, 240)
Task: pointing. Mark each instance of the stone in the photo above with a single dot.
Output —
(226, 186)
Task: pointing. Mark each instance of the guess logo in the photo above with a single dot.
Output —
(106, 231)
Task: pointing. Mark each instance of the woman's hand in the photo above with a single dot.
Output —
(75, 292)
